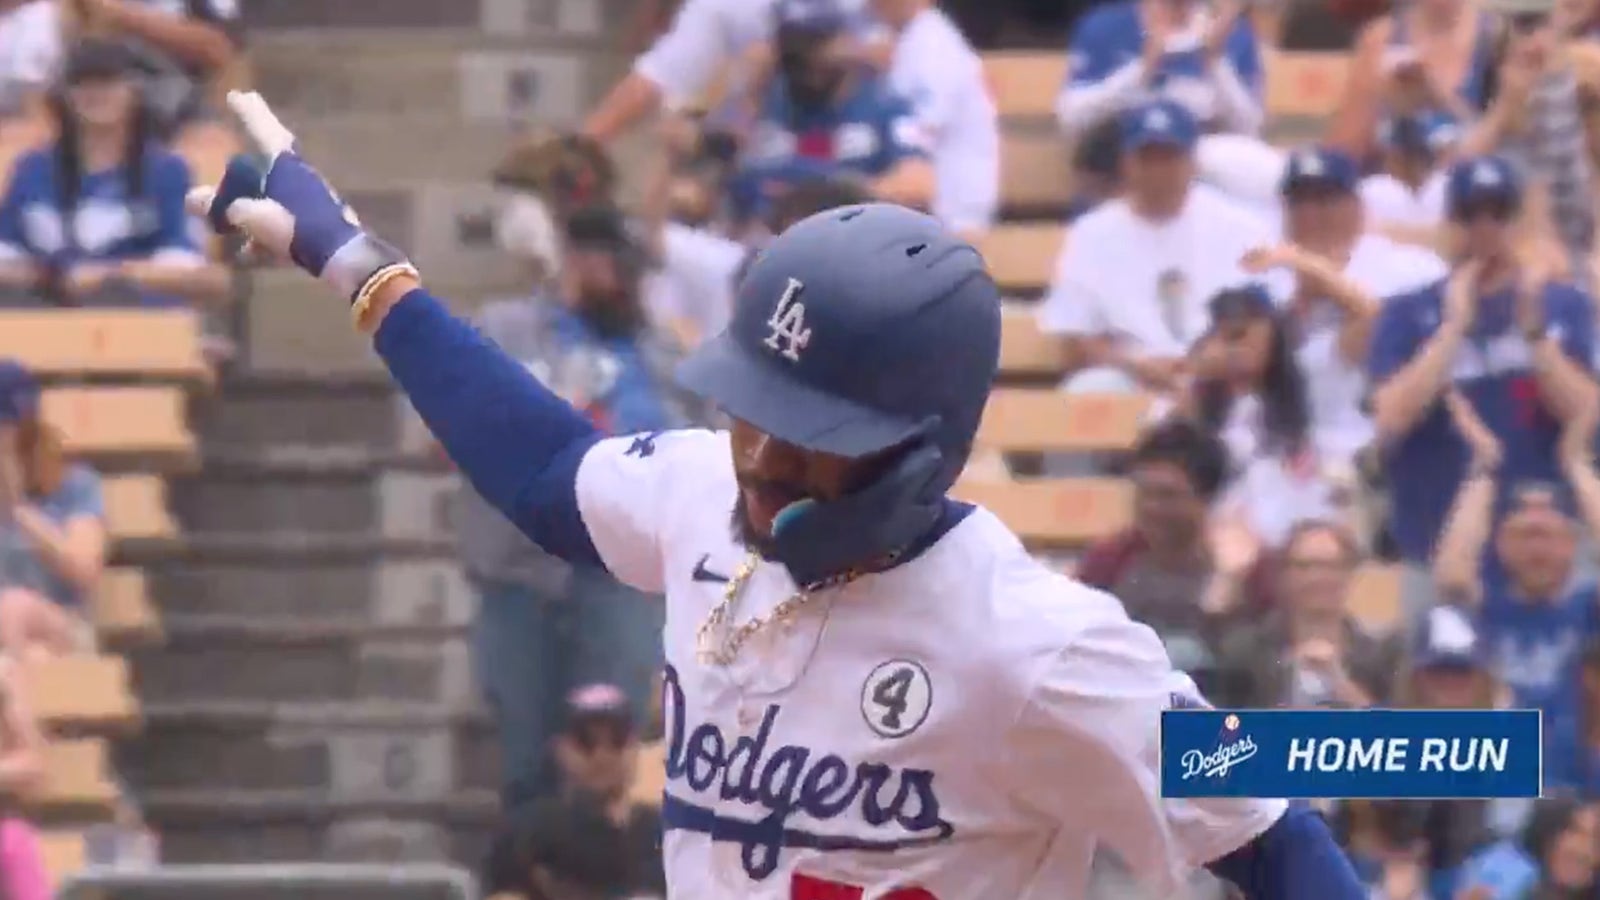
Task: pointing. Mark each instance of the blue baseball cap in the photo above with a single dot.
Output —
(1446, 638)
(1430, 132)
(19, 392)
(1158, 123)
(1319, 167)
(818, 17)
(1480, 180)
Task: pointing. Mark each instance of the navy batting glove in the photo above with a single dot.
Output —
(284, 205)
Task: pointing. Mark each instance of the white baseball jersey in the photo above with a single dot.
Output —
(705, 36)
(967, 725)
(939, 74)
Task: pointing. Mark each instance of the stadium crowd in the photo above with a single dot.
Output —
(1374, 347)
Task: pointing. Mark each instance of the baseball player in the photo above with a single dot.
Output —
(872, 690)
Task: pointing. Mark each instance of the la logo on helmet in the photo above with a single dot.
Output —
(789, 334)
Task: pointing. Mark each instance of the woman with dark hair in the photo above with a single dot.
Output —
(97, 217)
(52, 534)
(1250, 391)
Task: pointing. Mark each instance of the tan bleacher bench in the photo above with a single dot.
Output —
(65, 852)
(1041, 420)
(121, 610)
(136, 508)
(1021, 258)
(1024, 349)
(90, 692)
(160, 344)
(76, 781)
(146, 421)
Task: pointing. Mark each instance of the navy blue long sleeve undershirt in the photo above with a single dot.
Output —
(1296, 859)
(515, 441)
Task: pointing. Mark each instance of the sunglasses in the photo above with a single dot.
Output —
(596, 736)
(1499, 209)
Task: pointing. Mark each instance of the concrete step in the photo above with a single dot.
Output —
(429, 78)
(274, 23)
(358, 838)
(402, 592)
(408, 750)
(231, 658)
(281, 549)
(242, 826)
(358, 151)
(269, 410)
(311, 493)
(294, 324)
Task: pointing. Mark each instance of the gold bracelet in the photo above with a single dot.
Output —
(363, 301)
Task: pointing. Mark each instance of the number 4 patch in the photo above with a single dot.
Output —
(896, 698)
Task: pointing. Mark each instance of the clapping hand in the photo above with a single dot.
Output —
(1485, 447)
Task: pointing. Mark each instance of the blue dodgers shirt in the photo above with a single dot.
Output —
(1536, 645)
(1493, 371)
(1110, 36)
(110, 224)
(865, 133)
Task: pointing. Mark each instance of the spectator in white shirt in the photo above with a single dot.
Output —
(940, 75)
(1250, 390)
(1407, 197)
(1131, 286)
(706, 41)
(1330, 274)
(30, 56)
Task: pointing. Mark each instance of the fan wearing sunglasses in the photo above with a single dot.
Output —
(1516, 344)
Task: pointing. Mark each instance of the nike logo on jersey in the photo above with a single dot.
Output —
(780, 782)
(701, 573)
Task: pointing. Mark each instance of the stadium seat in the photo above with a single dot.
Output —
(1054, 512)
(1035, 171)
(1025, 84)
(81, 692)
(1021, 258)
(64, 853)
(136, 508)
(1024, 349)
(147, 343)
(103, 422)
(1038, 420)
(76, 781)
(1375, 597)
(121, 611)
(1304, 85)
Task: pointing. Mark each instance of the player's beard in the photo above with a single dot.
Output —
(746, 533)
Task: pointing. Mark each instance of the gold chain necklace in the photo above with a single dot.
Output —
(712, 651)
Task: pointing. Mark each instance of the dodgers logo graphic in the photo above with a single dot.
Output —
(771, 785)
(1233, 748)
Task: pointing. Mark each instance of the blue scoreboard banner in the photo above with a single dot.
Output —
(1377, 753)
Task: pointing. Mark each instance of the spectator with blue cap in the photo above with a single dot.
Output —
(1406, 198)
(52, 533)
(825, 115)
(1330, 272)
(1536, 611)
(1449, 664)
(1515, 344)
(1130, 292)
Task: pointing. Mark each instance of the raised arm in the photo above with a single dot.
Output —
(1458, 560)
(1408, 375)
(516, 442)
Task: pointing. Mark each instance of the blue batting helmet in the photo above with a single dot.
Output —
(860, 330)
